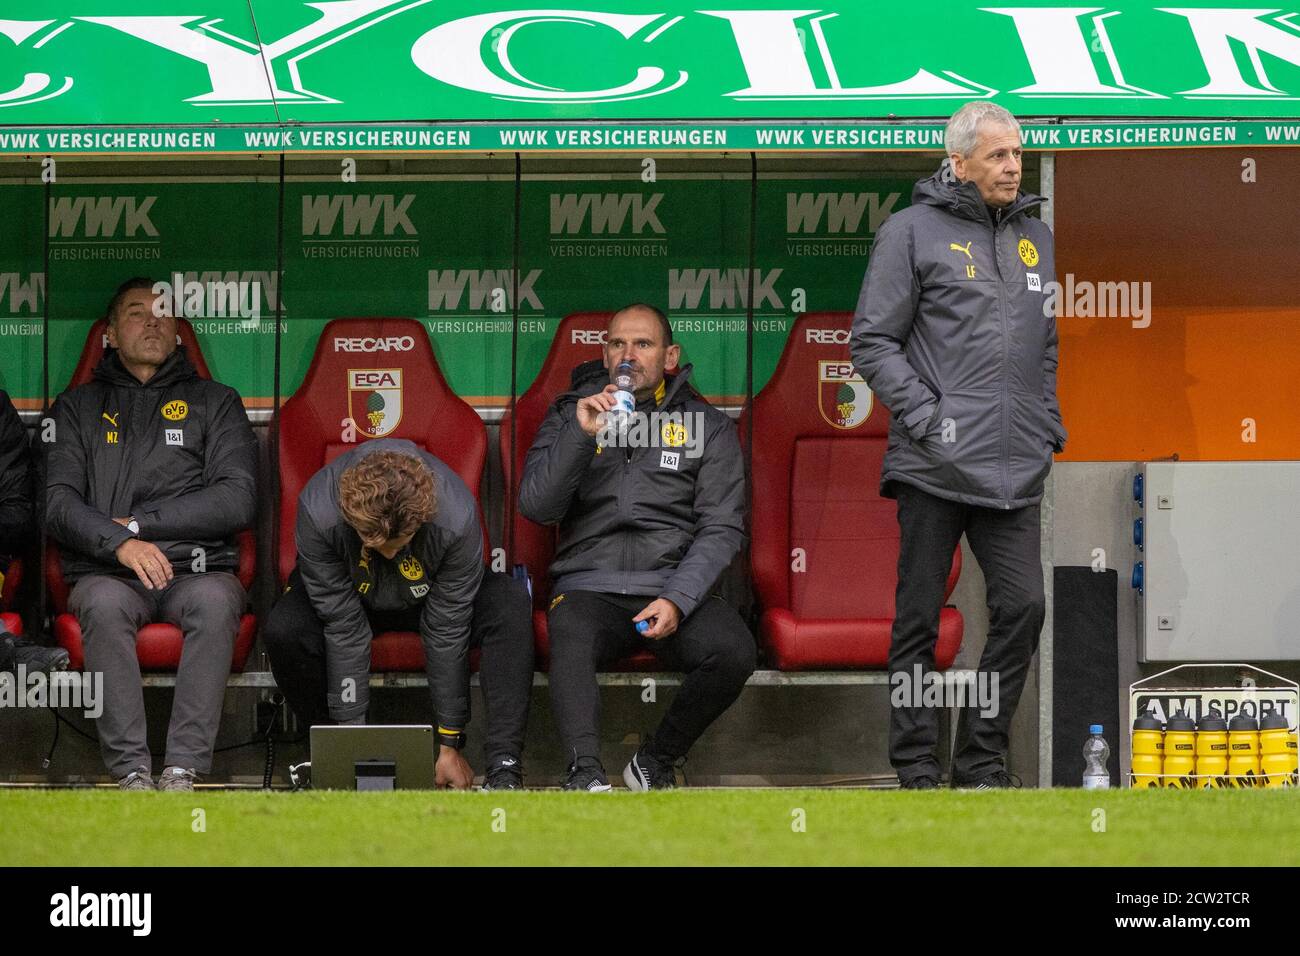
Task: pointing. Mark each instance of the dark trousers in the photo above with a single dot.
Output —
(111, 610)
(1006, 545)
(589, 631)
(501, 629)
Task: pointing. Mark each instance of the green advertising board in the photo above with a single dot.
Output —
(644, 139)
(248, 75)
(440, 249)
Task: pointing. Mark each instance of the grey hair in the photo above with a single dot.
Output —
(963, 129)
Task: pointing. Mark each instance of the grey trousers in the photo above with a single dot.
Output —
(206, 607)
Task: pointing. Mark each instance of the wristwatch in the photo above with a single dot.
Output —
(133, 526)
(451, 738)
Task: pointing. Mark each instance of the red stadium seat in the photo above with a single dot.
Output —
(158, 645)
(379, 375)
(534, 544)
(816, 474)
(13, 579)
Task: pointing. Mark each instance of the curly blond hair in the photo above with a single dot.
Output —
(386, 495)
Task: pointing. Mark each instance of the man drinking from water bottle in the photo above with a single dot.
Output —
(650, 514)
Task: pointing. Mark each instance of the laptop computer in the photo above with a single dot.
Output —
(372, 757)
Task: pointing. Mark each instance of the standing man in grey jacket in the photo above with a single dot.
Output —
(951, 332)
(649, 519)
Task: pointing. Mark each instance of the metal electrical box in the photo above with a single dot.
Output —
(1219, 551)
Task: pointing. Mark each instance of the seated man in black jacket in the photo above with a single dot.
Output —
(649, 519)
(15, 537)
(15, 485)
(389, 539)
(150, 474)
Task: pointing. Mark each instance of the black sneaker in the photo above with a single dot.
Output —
(32, 656)
(587, 774)
(922, 782)
(997, 780)
(137, 780)
(504, 774)
(648, 772)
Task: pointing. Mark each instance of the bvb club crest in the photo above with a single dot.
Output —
(375, 400)
(411, 568)
(842, 396)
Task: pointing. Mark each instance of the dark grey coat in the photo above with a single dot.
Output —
(966, 363)
(176, 452)
(628, 524)
(449, 549)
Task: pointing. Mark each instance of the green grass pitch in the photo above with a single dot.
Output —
(839, 826)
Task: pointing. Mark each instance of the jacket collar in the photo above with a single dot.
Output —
(963, 198)
(175, 368)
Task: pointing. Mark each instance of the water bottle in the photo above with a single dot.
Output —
(1243, 752)
(1277, 747)
(1148, 750)
(1211, 750)
(1180, 752)
(1095, 754)
(624, 401)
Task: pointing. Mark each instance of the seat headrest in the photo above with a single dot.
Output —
(578, 339)
(815, 390)
(97, 343)
(381, 373)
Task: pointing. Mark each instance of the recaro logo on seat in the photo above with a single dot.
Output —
(396, 343)
(826, 336)
(587, 337)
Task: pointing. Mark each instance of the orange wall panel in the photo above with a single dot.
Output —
(1222, 257)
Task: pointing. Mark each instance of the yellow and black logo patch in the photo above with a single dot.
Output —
(673, 434)
(1028, 254)
(175, 411)
(411, 568)
(555, 600)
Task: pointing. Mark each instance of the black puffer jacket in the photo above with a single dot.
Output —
(15, 483)
(177, 453)
(440, 570)
(655, 520)
(950, 332)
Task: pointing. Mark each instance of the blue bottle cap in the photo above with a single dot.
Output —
(1094, 729)
(643, 626)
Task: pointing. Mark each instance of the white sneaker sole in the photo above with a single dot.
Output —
(633, 780)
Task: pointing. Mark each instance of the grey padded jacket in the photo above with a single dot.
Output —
(646, 520)
(448, 568)
(950, 332)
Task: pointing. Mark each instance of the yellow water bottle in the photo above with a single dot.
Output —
(1277, 751)
(1180, 752)
(1243, 751)
(1148, 750)
(1212, 750)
